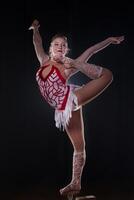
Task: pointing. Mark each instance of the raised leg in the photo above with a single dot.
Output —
(94, 87)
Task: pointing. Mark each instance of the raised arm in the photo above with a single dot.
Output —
(37, 41)
(84, 57)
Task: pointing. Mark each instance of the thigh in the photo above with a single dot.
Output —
(91, 90)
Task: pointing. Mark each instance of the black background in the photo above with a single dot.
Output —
(35, 157)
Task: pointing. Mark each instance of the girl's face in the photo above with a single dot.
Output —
(58, 48)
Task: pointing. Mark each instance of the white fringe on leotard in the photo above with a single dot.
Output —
(62, 117)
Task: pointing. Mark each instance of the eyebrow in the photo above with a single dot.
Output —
(59, 42)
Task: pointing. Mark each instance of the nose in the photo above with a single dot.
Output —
(59, 48)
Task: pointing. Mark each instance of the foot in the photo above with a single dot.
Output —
(70, 189)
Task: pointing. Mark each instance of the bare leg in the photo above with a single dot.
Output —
(95, 87)
(75, 131)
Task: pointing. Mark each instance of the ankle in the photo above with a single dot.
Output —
(76, 182)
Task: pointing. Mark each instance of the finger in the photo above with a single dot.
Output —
(121, 38)
(30, 28)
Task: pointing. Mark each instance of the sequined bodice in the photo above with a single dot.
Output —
(53, 87)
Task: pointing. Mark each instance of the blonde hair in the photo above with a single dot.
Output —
(58, 35)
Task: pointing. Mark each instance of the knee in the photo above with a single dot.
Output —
(80, 147)
(108, 74)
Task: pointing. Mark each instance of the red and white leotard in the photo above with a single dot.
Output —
(58, 94)
(53, 87)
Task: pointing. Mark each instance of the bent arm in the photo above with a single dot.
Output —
(37, 41)
(84, 57)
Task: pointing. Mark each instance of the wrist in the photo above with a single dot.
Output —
(109, 39)
(35, 29)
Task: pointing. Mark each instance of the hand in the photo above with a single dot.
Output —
(116, 40)
(71, 63)
(68, 63)
(75, 63)
(34, 25)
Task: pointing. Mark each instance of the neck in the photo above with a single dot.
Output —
(58, 59)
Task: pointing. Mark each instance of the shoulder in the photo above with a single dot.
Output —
(45, 60)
